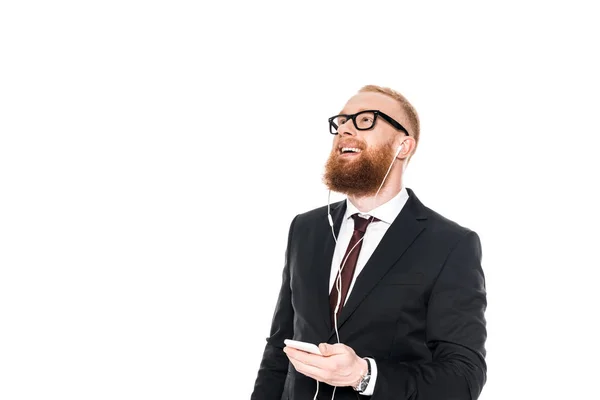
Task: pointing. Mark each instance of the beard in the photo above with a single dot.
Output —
(360, 175)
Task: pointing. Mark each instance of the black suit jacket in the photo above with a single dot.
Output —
(417, 308)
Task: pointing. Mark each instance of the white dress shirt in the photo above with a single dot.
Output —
(386, 213)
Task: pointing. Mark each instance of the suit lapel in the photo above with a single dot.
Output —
(323, 258)
(401, 234)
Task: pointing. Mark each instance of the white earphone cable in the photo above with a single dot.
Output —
(338, 281)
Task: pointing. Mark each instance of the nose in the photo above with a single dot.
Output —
(347, 128)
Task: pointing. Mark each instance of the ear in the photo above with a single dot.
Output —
(407, 144)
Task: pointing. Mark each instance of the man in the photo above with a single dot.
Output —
(392, 292)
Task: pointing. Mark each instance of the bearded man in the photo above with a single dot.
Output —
(392, 292)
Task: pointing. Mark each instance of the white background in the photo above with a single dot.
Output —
(153, 154)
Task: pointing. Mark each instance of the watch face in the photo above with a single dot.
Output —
(364, 382)
(362, 385)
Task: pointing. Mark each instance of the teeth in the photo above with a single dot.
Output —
(350, 149)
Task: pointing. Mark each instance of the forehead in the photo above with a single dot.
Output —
(373, 101)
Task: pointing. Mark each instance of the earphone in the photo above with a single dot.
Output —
(399, 150)
(338, 281)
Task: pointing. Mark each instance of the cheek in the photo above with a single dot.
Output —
(388, 140)
(374, 144)
(377, 137)
(334, 144)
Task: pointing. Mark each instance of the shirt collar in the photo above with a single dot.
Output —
(387, 212)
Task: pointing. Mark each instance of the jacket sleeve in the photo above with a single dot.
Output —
(270, 381)
(456, 335)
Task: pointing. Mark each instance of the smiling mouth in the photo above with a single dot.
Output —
(350, 150)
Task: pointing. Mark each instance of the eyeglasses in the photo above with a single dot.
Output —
(363, 121)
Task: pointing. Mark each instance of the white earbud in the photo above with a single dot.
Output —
(399, 149)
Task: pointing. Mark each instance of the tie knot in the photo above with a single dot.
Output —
(360, 223)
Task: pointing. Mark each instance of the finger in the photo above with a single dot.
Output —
(292, 350)
(326, 349)
(340, 348)
(309, 358)
(312, 371)
(301, 368)
(294, 353)
(333, 349)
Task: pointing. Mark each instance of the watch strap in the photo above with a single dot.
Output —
(364, 381)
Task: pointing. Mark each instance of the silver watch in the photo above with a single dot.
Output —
(364, 381)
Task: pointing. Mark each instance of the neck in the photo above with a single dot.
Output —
(367, 203)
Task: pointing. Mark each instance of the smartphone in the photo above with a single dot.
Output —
(308, 347)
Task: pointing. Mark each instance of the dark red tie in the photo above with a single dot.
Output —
(360, 227)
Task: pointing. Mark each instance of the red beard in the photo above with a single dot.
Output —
(359, 175)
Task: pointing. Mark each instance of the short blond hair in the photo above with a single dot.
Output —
(411, 112)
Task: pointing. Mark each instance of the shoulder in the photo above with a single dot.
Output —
(438, 225)
(319, 213)
(318, 217)
(452, 235)
(441, 223)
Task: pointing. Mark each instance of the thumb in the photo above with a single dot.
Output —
(326, 349)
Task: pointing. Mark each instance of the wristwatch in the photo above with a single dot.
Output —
(364, 381)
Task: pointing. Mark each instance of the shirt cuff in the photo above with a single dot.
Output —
(371, 386)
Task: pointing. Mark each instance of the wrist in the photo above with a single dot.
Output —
(362, 369)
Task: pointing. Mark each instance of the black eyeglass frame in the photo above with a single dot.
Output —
(376, 113)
